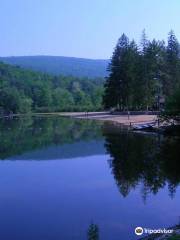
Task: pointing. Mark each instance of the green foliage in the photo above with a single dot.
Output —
(13, 101)
(23, 91)
(140, 76)
(173, 64)
(172, 107)
(63, 99)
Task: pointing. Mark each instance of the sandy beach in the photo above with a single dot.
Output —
(120, 119)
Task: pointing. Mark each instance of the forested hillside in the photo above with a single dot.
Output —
(23, 91)
(78, 67)
(144, 76)
(141, 77)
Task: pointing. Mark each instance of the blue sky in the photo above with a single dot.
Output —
(81, 28)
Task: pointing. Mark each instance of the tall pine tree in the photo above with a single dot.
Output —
(140, 77)
(116, 85)
(172, 64)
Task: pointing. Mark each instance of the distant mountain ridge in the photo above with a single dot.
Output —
(57, 65)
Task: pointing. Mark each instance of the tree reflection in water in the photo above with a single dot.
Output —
(148, 159)
(24, 134)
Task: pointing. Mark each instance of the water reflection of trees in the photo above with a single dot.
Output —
(20, 135)
(150, 160)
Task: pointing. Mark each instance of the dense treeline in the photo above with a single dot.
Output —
(23, 91)
(145, 77)
(142, 77)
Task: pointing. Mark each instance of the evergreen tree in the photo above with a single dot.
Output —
(132, 83)
(115, 86)
(140, 79)
(144, 42)
(173, 64)
(154, 73)
(172, 106)
(144, 70)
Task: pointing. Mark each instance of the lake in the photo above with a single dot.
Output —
(59, 175)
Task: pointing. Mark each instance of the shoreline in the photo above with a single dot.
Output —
(122, 119)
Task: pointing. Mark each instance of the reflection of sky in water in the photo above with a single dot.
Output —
(59, 199)
(66, 151)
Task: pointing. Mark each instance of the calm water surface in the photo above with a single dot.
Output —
(59, 175)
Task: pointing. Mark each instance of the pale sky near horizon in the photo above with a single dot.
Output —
(81, 28)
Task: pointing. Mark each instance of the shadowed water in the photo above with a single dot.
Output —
(59, 175)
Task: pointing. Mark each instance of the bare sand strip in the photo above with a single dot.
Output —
(120, 119)
(101, 116)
